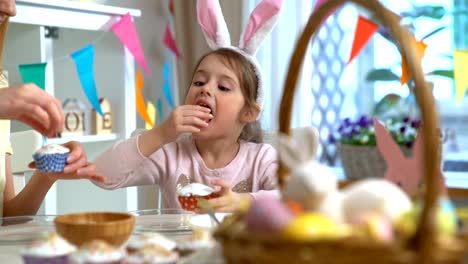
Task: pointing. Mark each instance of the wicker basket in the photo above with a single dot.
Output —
(241, 246)
(361, 162)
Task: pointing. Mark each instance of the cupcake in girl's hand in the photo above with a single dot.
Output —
(51, 158)
(49, 248)
(188, 195)
(97, 252)
(140, 241)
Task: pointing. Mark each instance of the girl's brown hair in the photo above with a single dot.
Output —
(248, 82)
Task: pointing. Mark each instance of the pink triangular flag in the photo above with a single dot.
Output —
(125, 30)
(364, 31)
(170, 42)
(407, 172)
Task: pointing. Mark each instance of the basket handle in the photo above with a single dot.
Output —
(425, 234)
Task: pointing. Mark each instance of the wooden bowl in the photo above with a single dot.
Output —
(78, 228)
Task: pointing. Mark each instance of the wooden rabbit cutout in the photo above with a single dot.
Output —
(406, 172)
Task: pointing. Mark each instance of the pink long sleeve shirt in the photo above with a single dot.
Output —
(253, 170)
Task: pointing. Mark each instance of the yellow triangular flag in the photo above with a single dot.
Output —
(420, 49)
(460, 59)
(152, 115)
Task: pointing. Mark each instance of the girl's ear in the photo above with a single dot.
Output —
(250, 113)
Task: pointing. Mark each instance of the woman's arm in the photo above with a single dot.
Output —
(28, 201)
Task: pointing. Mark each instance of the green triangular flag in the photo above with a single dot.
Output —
(33, 73)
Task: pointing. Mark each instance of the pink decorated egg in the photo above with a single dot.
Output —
(268, 214)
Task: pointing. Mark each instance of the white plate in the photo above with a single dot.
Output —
(204, 220)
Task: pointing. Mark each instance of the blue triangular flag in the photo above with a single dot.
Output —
(166, 85)
(84, 61)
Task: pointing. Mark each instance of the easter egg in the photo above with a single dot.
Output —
(190, 193)
(374, 226)
(268, 215)
(310, 226)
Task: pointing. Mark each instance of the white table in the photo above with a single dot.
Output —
(16, 235)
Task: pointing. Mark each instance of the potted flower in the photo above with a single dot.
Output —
(356, 144)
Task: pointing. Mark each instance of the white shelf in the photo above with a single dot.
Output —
(69, 14)
(83, 139)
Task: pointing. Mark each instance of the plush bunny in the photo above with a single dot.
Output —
(315, 186)
(403, 171)
(261, 22)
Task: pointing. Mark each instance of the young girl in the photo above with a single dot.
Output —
(220, 112)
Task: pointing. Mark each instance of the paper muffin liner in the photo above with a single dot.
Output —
(51, 162)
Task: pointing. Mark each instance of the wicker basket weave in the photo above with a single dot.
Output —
(241, 246)
(361, 162)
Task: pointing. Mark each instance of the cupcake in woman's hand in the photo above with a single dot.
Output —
(49, 248)
(138, 242)
(152, 254)
(51, 158)
(188, 195)
(97, 252)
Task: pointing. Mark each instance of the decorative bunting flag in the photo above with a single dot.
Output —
(460, 58)
(170, 42)
(159, 111)
(151, 114)
(166, 85)
(420, 49)
(364, 31)
(84, 61)
(33, 73)
(140, 101)
(125, 30)
(171, 7)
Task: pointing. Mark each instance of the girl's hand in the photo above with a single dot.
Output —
(77, 166)
(228, 201)
(185, 119)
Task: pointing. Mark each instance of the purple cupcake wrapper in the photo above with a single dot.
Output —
(45, 260)
(51, 162)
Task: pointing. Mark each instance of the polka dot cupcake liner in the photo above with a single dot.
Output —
(189, 203)
(51, 162)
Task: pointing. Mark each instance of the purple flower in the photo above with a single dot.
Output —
(347, 121)
(363, 121)
(331, 139)
(402, 129)
(340, 129)
(409, 144)
(406, 120)
(415, 124)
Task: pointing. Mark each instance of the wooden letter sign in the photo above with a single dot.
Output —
(100, 125)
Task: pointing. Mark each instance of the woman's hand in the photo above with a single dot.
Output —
(78, 166)
(228, 201)
(33, 106)
(185, 119)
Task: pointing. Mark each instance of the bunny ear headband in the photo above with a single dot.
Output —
(261, 22)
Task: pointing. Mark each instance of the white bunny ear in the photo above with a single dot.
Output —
(261, 22)
(211, 20)
(287, 151)
(309, 137)
(387, 147)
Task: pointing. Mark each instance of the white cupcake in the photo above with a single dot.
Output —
(49, 248)
(51, 158)
(136, 243)
(97, 252)
(152, 254)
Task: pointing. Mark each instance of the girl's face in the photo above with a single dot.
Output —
(217, 87)
(7, 9)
